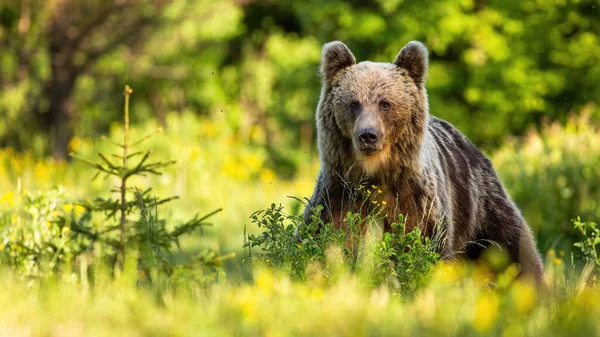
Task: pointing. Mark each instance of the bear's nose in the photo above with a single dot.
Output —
(368, 136)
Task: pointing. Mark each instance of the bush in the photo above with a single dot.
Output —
(404, 260)
(36, 237)
(401, 259)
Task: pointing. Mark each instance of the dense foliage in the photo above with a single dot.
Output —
(497, 67)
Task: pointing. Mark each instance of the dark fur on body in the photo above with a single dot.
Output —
(424, 166)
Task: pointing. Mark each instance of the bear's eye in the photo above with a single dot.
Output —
(385, 105)
(354, 106)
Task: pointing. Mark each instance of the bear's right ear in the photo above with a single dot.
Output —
(414, 58)
(335, 57)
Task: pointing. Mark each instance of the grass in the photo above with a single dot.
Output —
(210, 165)
(458, 301)
(312, 286)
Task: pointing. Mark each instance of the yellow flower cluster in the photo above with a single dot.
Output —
(24, 169)
(247, 166)
(268, 287)
(557, 260)
(78, 209)
(8, 198)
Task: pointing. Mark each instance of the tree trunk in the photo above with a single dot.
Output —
(59, 115)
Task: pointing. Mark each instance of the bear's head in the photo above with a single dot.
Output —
(377, 111)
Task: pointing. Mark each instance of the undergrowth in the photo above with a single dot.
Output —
(45, 235)
(401, 259)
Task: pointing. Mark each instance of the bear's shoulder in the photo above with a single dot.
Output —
(450, 139)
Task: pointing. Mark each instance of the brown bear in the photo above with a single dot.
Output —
(374, 128)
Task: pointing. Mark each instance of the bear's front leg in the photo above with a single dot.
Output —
(330, 195)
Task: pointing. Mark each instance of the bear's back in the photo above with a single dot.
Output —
(469, 175)
(456, 145)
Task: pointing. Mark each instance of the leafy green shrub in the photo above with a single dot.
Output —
(402, 259)
(289, 244)
(36, 237)
(589, 240)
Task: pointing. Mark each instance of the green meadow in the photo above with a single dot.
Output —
(171, 209)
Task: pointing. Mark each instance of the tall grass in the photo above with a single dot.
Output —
(554, 176)
(458, 301)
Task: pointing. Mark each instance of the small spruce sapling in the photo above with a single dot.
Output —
(134, 213)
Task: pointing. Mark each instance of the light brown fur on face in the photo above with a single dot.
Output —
(374, 127)
(371, 83)
(372, 164)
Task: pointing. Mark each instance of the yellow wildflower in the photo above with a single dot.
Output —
(247, 302)
(74, 144)
(79, 209)
(194, 153)
(486, 311)
(524, 296)
(9, 198)
(481, 274)
(252, 161)
(449, 272)
(384, 202)
(266, 175)
(68, 207)
(42, 171)
(265, 281)
(235, 169)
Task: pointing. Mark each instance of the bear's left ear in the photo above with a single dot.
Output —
(335, 57)
(414, 58)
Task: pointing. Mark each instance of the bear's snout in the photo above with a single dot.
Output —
(368, 141)
(368, 136)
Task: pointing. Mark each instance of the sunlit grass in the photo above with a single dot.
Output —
(214, 169)
(456, 302)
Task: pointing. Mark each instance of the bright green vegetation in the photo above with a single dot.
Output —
(193, 226)
(497, 67)
(61, 250)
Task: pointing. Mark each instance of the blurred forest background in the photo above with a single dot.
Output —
(234, 85)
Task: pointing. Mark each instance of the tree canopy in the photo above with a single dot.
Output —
(497, 67)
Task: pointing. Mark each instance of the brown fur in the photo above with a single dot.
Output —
(424, 166)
